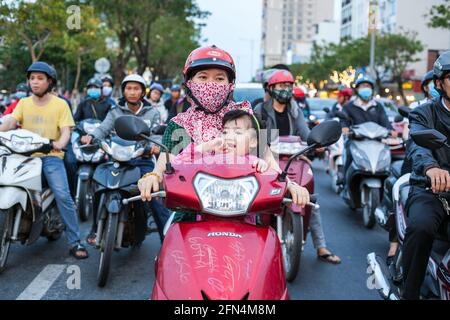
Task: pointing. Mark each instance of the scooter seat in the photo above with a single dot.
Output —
(396, 168)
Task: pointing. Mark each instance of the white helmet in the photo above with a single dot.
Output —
(134, 78)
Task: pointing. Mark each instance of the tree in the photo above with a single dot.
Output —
(35, 24)
(440, 15)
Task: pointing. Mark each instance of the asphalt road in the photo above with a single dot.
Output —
(46, 271)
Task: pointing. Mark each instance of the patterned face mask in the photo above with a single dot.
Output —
(212, 96)
(282, 96)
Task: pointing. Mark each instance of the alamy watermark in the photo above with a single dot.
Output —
(74, 19)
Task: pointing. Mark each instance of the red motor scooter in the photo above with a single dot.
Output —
(293, 222)
(222, 256)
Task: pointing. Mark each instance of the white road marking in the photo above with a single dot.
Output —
(42, 283)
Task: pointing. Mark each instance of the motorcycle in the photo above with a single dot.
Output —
(371, 160)
(388, 280)
(221, 256)
(119, 226)
(294, 220)
(88, 157)
(27, 209)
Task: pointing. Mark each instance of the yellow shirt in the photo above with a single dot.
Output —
(45, 121)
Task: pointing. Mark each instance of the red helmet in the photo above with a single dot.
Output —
(299, 93)
(346, 92)
(209, 57)
(281, 76)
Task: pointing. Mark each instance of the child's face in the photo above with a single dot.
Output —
(239, 137)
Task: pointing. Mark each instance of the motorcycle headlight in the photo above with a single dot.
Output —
(89, 128)
(312, 118)
(98, 156)
(77, 152)
(384, 160)
(21, 144)
(225, 197)
(121, 153)
(361, 159)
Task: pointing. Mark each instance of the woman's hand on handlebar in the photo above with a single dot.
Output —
(147, 186)
(300, 195)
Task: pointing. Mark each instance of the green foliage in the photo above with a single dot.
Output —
(440, 15)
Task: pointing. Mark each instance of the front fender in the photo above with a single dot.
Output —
(10, 196)
(371, 183)
(85, 172)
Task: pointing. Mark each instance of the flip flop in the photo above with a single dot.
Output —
(77, 249)
(328, 258)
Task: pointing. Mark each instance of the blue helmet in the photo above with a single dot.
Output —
(43, 67)
(442, 65)
(157, 86)
(426, 78)
(175, 87)
(22, 87)
(94, 82)
(364, 80)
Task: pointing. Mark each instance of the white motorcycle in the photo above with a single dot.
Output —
(335, 163)
(27, 210)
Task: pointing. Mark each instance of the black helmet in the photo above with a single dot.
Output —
(108, 79)
(94, 82)
(442, 65)
(22, 87)
(426, 78)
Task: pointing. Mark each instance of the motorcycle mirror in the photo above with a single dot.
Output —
(159, 130)
(398, 118)
(131, 128)
(326, 110)
(430, 139)
(325, 134)
(342, 115)
(404, 111)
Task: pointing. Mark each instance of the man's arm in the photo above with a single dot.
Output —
(63, 139)
(9, 123)
(106, 126)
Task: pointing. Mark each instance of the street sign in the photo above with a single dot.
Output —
(102, 65)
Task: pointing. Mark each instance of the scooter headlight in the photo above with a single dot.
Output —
(361, 159)
(21, 144)
(287, 148)
(122, 153)
(384, 160)
(98, 156)
(225, 197)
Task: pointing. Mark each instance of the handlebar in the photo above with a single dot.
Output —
(161, 194)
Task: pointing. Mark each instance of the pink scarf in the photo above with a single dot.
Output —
(203, 127)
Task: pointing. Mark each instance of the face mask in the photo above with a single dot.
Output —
(106, 91)
(21, 94)
(432, 90)
(211, 95)
(365, 93)
(94, 93)
(282, 96)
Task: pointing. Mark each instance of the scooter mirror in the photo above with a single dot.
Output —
(342, 115)
(404, 111)
(131, 128)
(325, 134)
(326, 110)
(430, 139)
(159, 130)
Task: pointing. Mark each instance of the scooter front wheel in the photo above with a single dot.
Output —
(85, 203)
(107, 245)
(6, 227)
(373, 200)
(292, 243)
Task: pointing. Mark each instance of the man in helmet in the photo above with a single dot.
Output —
(95, 105)
(133, 103)
(282, 113)
(344, 96)
(107, 89)
(425, 211)
(428, 89)
(49, 116)
(22, 91)
(175, 97)
(360, 110)
(154, 97)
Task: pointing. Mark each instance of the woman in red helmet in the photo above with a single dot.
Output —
(209, 75)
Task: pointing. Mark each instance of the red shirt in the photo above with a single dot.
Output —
(11, 107)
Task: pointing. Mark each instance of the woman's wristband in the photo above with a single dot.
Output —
(152, 174)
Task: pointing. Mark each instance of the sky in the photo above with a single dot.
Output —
(233, 26)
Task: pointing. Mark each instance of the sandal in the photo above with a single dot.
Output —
(91, 239)
(329, 257)
(79, 252)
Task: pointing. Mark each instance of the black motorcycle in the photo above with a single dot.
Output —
(88, 157)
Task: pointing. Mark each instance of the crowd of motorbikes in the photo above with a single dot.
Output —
(220, 255)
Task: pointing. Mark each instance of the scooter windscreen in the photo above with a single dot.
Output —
(123, 150)
(370, 130)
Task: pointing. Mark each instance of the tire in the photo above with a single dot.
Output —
(369, 208)
(107, 245)
(85, 203)
(293, 242)
(6, 229)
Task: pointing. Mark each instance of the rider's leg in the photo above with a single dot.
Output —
(70, 161)
(425, 215)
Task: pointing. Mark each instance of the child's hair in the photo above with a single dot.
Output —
(254, 122)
